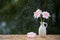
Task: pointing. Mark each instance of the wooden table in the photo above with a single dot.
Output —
(24, 37)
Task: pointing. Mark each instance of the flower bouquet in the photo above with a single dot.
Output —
(43, 15)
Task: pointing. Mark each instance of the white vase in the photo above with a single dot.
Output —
(42, 29)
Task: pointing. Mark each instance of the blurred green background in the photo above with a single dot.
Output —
(16, 16)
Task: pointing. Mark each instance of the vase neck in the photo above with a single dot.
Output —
(42, 23)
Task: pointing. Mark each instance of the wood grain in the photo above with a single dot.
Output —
(24, 37)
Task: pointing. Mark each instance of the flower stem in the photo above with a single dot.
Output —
(43, 20)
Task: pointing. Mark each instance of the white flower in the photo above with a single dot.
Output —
(45, 15)
(37, 13)
(31, 34)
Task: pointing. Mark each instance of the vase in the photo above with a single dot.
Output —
(42, 29)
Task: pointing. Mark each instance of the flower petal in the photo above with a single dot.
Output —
(37, 13)
(45, 15)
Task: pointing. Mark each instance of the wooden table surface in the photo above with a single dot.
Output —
(24, 37)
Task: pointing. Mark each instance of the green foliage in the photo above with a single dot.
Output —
(19, 16)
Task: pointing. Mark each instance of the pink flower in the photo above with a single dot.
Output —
(31, 34)
(45, 15)
(37, 13)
